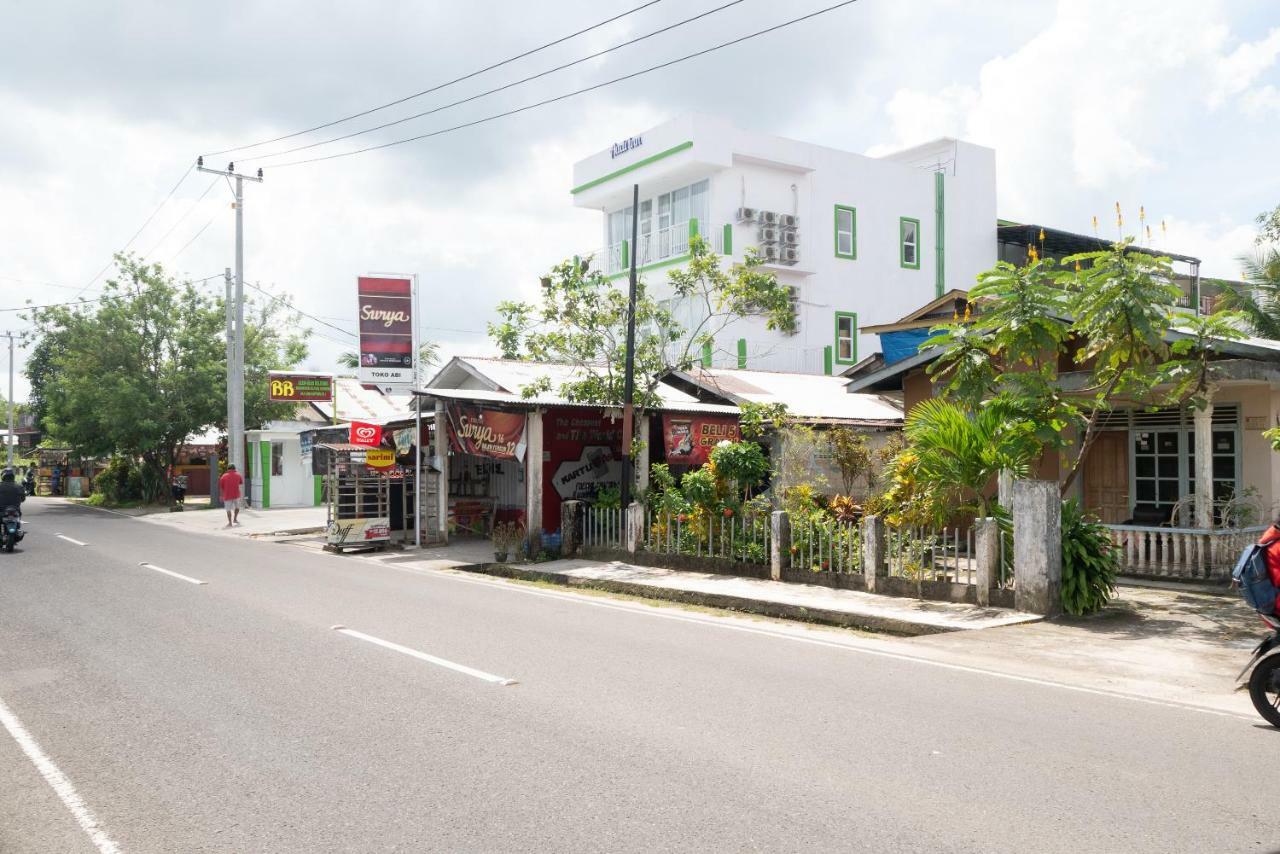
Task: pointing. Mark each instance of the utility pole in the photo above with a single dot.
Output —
(235, 351)
(629, 377)
(12, 439)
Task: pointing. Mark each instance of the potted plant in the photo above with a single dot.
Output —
(505, 535)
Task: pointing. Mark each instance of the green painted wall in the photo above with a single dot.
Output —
(265, 450)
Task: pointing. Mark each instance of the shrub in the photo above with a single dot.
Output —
(609, 497)
(744, 463)
(119, 482)
(1089, 562)
(700, 488)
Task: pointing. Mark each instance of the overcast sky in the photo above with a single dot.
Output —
(1169, 104)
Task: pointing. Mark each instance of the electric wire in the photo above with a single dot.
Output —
(160, 206)
(96, 299)
(497, 89)
(280, 298)
(180, 219)
(440, 86)
(175, 255)
(567, 95)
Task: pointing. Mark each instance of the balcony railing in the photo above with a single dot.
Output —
(1184, 553)
(657, 246)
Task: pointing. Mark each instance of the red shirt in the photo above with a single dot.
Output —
(229, 485)
(1273, 558)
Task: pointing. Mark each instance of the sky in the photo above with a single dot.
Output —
(1171, 105)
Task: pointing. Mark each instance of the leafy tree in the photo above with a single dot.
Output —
(1108, 314)
(1260, 301)
(144, 368)
(853, 456)
(581, 320)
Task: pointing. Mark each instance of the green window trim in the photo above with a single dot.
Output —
(264, 448)
(940, 232)
(902, 242)
(852, 254)
(595, 182)
(852, 317)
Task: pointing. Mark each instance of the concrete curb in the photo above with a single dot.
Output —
(842, 619)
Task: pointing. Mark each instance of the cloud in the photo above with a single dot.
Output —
(1235, 73)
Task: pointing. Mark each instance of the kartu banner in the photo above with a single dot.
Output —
(690, 438)
(385, 313)
(366, 434)
(486, 432)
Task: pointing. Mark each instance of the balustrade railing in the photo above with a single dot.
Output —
(1188, 553)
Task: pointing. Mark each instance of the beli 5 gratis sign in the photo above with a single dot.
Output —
(486, 432)
(386, 331)
(300, 387)
(690, 438)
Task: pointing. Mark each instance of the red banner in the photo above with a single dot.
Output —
(386, 331)
(486, 432)
(366, 434)
(690, 438)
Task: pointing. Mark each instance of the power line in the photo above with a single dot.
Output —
(285, 302)
(175, 255)
(97, 299)
(440, 86)
(141, 227)
(501, 88)
(574, 93)
(180, 219)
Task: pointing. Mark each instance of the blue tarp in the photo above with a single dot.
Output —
(897, 346)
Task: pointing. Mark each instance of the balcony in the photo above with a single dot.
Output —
(665, 246)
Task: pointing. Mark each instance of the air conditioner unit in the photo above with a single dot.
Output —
(788, 220)
(790, 235)
(768, 218)
(769, 253)
(769, 235)
(747, 214)
(793, 295)
(789, 255)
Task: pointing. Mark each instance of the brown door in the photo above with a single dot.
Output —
(1106, 477)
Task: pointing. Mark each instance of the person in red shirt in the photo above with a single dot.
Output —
(229, 487)
(1272, 535)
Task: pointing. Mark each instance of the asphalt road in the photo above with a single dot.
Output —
(232, 716)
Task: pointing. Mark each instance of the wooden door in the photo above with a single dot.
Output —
(1106, 477)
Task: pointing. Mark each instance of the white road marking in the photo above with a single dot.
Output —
(847, 645)
(185, 578)
(70, 540)
(58, 781)
(460, 668)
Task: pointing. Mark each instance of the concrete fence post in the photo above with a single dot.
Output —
(987, 546)
(875, 564)
(779, 543)
(570, 527)
(634, 526)
(1037, 547)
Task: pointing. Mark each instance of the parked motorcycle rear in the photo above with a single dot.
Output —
(1263, 674)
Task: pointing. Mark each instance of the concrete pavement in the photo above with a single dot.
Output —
(231, 716)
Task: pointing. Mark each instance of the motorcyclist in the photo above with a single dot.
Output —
(11, 494)
(29, 482)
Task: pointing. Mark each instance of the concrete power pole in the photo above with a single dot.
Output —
(235, 350)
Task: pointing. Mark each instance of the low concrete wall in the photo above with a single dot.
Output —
(691, 563)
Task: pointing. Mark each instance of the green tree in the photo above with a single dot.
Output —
(581, 320)
(1109, 314)
(145, 367)
(852, 454)
(1259, 301)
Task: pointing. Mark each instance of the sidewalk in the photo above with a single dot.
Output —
(811, 603)
(253, 521)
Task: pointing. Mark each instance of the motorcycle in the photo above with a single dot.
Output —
(11, 532)
(1263, 672)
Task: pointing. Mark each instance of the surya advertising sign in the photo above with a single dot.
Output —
(386, 331)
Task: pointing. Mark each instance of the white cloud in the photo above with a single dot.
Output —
(1234, 73)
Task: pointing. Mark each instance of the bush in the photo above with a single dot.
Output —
(119, 482)
(700, 488)
(1089, 562)
(744, 463)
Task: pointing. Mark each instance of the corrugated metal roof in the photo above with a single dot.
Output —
(509, 378)
(357, 403)
(811, 397)
(487, 396)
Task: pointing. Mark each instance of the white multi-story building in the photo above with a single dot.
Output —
(862, 240)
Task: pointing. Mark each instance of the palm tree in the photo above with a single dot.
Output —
(1260, 304)
(962, 453)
